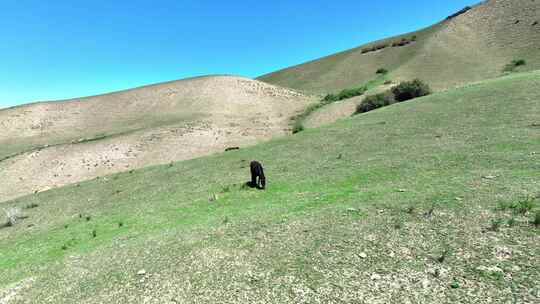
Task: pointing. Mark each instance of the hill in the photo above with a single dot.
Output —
(471, 46)
(51, 144)
(426, 201)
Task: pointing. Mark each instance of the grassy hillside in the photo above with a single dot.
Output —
(51, 144)
(473, 46)
(423, 201)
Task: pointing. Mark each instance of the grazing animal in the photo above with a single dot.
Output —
(257, 172)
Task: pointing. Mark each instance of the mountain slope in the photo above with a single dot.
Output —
(51, 144)
(415, 202)
(473, 46)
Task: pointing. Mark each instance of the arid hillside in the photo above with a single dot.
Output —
(471, 46)
(51, 144)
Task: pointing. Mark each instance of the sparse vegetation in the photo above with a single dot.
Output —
(382, 71)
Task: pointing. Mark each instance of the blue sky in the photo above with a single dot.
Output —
(69, 48)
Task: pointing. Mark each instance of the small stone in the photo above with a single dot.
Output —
(402, 190)
(425, 283)
(503, 253)
(363, 255)
(141, 272)
(490, 177)
(375, 277)
(351, 210)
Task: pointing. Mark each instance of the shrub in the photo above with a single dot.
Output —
(536, 220)
(523, 206)
(330, 98)
(410, 89)
(375, 48)
(31, 206)
(298, 127)
(373, 102)
(382, 71)
(349, 93)
(514, 64)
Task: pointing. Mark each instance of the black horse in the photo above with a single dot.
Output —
(257, 171)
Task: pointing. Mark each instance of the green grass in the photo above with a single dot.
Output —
(325, 229)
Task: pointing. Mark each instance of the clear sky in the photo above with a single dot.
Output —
(71, 48)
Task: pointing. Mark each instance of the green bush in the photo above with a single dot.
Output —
(519, 62)
(514, 64)
(536, 220)
(349, 93)
(410, 89)
(382, 71)
(375, 48)
(298, 127)
(329, 98)
(373, 102)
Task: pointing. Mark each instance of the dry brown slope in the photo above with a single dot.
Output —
(471, 47)
(50, 146)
